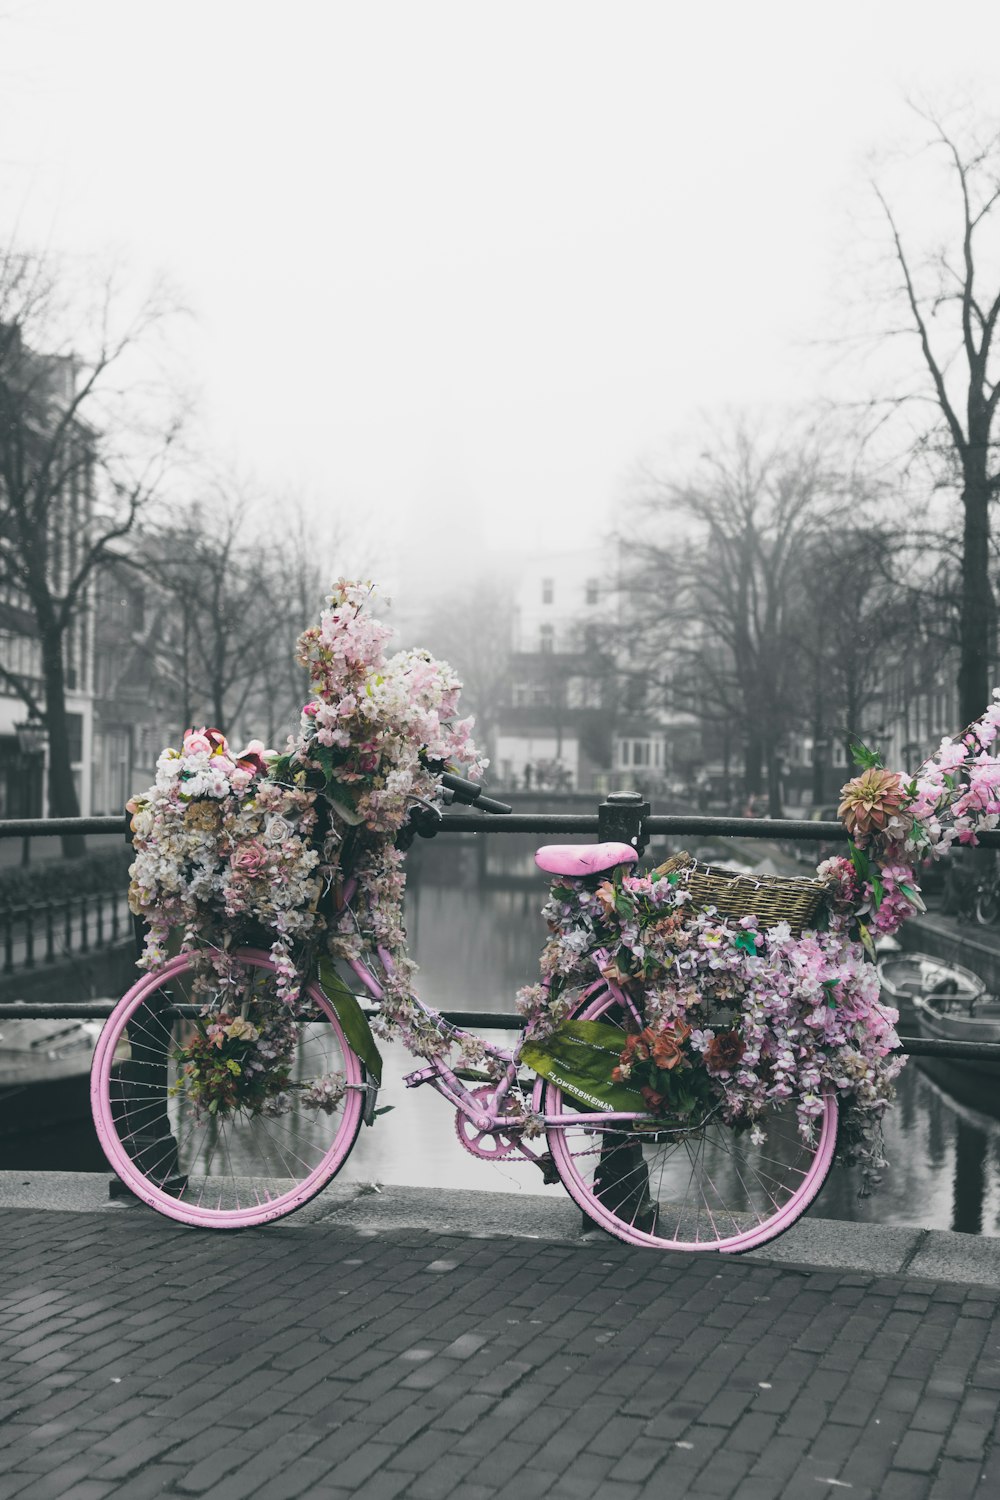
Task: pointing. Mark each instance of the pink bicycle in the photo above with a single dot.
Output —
(700, 1187)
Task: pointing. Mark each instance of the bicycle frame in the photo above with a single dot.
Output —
(447, 1083)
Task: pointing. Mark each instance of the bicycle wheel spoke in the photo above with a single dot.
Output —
(702, 1186)
(238, 1165)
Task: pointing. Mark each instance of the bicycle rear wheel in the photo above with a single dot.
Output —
(201, 1170)
(705, 1189)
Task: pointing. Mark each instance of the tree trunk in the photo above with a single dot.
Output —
(63, 801)
(774, 782)
(818, 769)
(754, 765)
(976, 627)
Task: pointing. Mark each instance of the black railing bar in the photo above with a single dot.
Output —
(806, 829)
(19, 828)
(490, 1020)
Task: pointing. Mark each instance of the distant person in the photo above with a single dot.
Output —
(527, 777)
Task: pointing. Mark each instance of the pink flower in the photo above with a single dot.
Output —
(252, 758)
(250, 859)
(196, 742)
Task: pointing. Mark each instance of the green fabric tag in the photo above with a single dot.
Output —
(578, 1058)
(351, 1017)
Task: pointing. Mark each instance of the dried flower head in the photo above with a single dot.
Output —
(873, 801)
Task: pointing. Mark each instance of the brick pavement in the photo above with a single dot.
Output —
(140, 1359)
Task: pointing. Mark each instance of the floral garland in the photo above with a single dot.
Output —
(895, 822)
(735, 1017)
(233, 849)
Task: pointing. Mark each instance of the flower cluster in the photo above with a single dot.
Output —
(375, 738)
(257, 847)
(894, 823)
(223, 854)
(733, 1015)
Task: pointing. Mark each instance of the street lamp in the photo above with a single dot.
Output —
(31, 734)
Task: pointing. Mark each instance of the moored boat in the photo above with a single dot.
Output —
(907, 977)
(952, 1017)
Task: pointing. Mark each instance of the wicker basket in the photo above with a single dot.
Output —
(769, 898)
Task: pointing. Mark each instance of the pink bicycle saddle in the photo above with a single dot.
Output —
(583, 859)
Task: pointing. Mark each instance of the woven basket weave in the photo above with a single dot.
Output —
(769, 898)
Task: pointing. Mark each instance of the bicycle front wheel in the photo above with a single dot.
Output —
(709, 1188)
(226, 1171)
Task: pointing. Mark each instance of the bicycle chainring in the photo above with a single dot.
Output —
(488, 1145)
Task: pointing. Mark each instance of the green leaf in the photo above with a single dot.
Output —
(746, 941)
(913, 896)
(878, 890)
(830, 985)
(868, 760)
(866, 940)
(351, 1017)
(342, 810)
(860, 861)
(578, 1058)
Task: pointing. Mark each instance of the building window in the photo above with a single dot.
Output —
(548, 590)
(591, 591)
(546, 639)
(74, 732)
(639, 752)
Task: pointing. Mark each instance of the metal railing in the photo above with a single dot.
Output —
(622, 817)
(47, 931)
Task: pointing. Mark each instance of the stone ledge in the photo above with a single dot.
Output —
(882, 1250)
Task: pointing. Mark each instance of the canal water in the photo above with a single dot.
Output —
(473, 918)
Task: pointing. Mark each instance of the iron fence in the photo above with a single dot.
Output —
(622, 816)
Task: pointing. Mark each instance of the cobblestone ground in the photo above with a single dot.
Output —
(140, 1359)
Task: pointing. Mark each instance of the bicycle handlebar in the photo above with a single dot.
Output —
(472, 793)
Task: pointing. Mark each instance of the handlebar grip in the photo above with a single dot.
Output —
(491, 805)
(472, 793)
(465, 791)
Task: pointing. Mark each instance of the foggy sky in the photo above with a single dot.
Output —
(458, 267)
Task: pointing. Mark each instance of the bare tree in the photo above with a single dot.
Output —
(852, 608)
(75, 472)
(952, 301)
(715, 582)
(238, 592)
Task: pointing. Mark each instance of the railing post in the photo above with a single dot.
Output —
(621, 1178)
(620, 819)
(29, 936)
